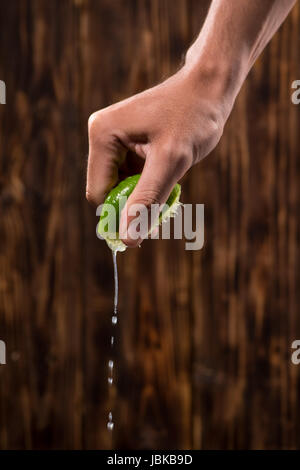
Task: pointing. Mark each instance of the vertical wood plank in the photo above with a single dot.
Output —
(203, 344)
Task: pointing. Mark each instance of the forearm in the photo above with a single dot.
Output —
(234, 34)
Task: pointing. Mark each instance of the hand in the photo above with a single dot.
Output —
(174, 125)
(164, 130)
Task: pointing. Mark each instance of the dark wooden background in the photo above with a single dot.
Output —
(204, 338)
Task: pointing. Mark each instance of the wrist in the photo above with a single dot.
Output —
(214, 75)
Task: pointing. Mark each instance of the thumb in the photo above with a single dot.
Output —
(161, 172)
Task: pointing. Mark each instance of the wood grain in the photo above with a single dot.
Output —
(204, 338)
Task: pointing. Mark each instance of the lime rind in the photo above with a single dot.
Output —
(125, 188)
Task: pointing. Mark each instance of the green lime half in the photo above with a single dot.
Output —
(108, 226)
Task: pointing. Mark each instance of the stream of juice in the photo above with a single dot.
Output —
(114, 321)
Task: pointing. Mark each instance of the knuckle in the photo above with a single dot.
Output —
(93, 121)
(210, 140)
(148, 196)
(97, 127)
(167, 149)
(183, 160)
(177, 156)
(216, 128)
(92, 118)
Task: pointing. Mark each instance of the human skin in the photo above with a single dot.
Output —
(167, 129)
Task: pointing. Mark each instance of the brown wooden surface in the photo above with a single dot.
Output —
(203, 355)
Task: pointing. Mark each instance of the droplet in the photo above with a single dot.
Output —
(110, 426)
(114, 319)
(110, 380)
(110, 364)
(112, 339)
